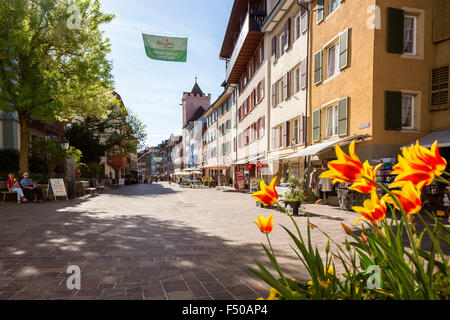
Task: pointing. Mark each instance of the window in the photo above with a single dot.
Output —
(408, 111)
(333, 60)
(409, 35)
(261, 127)
(280, 137)
(280, 90)
(261, 91)
(304, 23)
(298, 26)
(332, 121)
(295, 130)
(297, 80)
(334, 4)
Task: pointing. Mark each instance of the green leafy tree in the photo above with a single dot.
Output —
(53, 62)
(81, 136)
(51, 152)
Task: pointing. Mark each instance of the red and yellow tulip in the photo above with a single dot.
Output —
(418, 165)
(346, 168)
(268, 196)
(265, 224)
(364, 185)
(409, 198)
(374, 209)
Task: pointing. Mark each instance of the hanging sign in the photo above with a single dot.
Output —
(165, 48)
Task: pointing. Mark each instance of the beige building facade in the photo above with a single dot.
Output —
(287, 27)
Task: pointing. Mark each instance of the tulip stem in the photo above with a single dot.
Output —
(292, 219)
(446, 173)
(404, 215)
(277, 266)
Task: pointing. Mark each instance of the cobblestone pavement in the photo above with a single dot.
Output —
(148, 242)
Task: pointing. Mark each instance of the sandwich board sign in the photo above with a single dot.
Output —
(58, 188)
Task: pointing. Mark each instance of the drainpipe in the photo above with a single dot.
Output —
(305, 4)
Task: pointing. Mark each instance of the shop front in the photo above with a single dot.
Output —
(322, 190)
(248, 172)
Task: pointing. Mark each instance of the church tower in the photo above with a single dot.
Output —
(192, 101)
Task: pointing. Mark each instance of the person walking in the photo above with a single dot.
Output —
(14, 186)
(30, 189)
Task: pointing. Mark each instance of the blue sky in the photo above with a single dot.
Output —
(153, 89)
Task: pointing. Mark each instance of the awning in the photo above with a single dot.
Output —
(244, 161)
(275, 158)
(317, 148)
(255, 158)
(441, 136)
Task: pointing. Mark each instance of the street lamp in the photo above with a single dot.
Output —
(64, 144)
(70, 170)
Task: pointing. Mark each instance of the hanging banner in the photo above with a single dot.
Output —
(166, 48)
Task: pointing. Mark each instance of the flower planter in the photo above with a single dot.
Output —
(295, 205)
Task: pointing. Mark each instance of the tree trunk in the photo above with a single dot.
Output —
(25, 119)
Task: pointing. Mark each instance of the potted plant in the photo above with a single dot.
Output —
(205, 182)
(212, 182)
(296, 194)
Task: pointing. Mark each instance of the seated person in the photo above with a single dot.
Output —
(14, 186)
(30, 188)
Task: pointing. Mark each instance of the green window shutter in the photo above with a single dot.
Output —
(440, 80)
(318, 57)
(320, 13)
(395, 30)
(343, 117)
(316, 125)
(393, 112)
(441, 20)
(343, 50)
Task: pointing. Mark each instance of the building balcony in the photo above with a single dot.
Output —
(249, 38)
